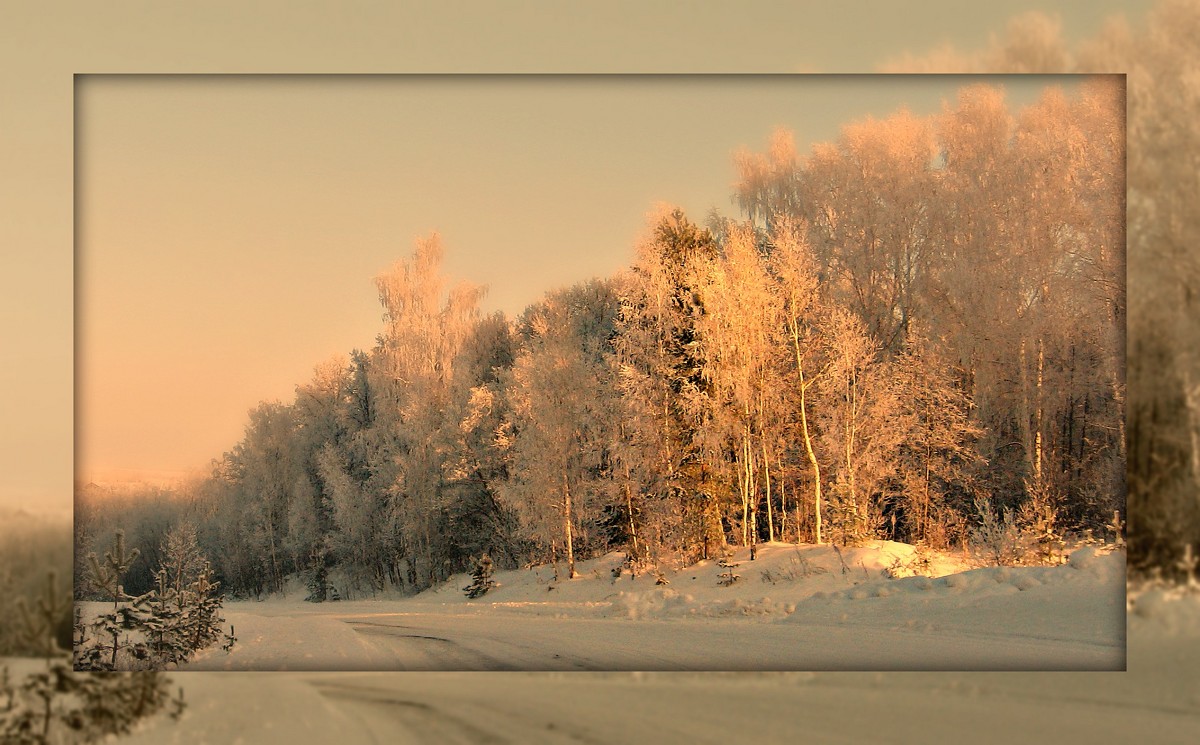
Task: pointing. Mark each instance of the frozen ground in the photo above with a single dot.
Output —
(807, 608)
(1157, 700)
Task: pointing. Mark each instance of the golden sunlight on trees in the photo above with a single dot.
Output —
(918, 318)
(1161, 60)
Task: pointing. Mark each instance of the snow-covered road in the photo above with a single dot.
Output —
(1157, 700)
(511, 641)
(1070, 617)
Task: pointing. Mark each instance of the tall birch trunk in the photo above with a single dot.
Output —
(567, 527)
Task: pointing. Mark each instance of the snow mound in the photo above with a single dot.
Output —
(663, 603)
(1165, 610)
(1086, 566)
(657, 603)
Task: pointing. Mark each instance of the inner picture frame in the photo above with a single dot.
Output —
(199, 197)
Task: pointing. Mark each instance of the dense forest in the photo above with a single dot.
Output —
(907, 332)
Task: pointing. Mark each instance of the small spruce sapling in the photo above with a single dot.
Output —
(202, 618)
(164, 625)
(481, 578)
(727, 577)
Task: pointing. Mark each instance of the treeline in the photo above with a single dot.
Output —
(1157, 57)
(916, 327)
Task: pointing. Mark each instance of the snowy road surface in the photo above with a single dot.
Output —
(804, 613)
(511, 641)
(1157, 700)
(1061, 612)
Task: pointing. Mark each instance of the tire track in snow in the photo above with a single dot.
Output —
(425, 722)
(440, 653)
(444, 654)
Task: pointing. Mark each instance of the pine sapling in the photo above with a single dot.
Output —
(230, 640)
(727, 577)
(178, 705)
(108, 576)
(481, 578)
(36, 629)
(6, 689)
(89, 707)
(1187, 565)
(1117, 528)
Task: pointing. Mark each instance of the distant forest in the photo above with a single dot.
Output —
(907, 332)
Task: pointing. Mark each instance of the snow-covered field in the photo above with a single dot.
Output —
(1157, 700)
(794, 608)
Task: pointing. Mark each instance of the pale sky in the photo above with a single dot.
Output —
(43, 45)
(228, 227)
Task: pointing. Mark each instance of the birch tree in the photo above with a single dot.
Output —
(796, 284)
(560, 417)
(738, 339)
(860, 426)
(426, 326)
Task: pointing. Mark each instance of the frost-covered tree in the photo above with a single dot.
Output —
(475, 520)
(794, 273)
(932, 490)
(263, 470)
(322, 418)
(665, 399)
(426, 327)
(860, 428)
(561, 413)
(738, 339)
(999, 232)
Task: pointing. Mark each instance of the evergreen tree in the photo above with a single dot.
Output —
(667, 402)
(108, 577)
(481, 578)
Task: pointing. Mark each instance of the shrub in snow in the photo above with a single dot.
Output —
(798, 567)
(917, 564)
(481, 578)
(1038, 520)
(996, 535)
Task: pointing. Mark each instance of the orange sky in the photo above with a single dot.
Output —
(43, 45)
(228, 227)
